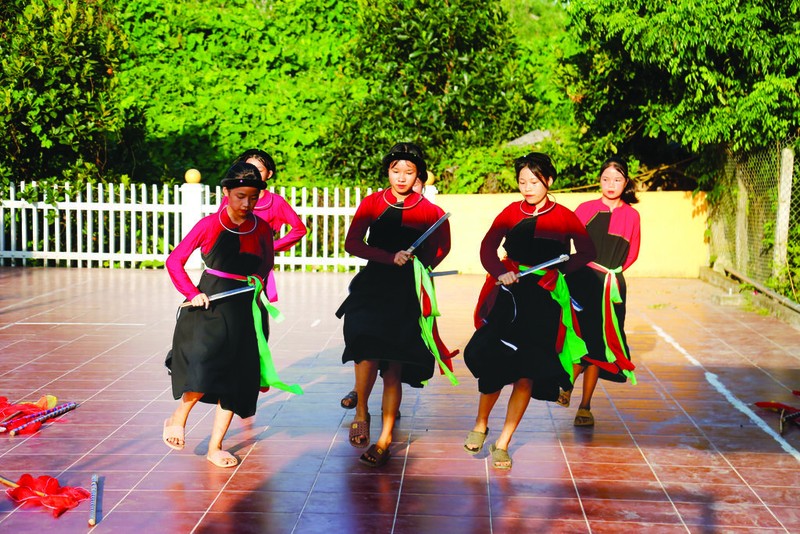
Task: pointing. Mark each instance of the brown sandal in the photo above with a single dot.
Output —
(474, 442)
(349, 401)
(375, 456)
(564, 397)
(584, 418)
(359, 433)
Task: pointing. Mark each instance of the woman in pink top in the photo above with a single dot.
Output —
(272, 207)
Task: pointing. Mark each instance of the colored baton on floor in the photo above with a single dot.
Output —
(93, 507)
(47, 414)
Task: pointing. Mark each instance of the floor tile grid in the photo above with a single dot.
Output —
(262, 436)
(629, 429)
(754, 335)
(144, 408)
(666, 391)
(199, 424)
(597, 522)
(574, 483)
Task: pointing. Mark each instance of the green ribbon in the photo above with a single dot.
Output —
(423, 280)
(269, 376)
(574, 347)
(612, 283)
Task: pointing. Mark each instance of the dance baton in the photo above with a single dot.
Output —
(545, 265)
(9, 419)
(427, 233)
(217, 296)
(16, 422)
(93, 508)
(58, 410)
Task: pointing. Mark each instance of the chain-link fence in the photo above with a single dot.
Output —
(755, 223)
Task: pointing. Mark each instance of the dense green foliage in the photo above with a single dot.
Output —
(442, 74)
(219, 78)
(672, 80)
(60, 104)
(100, 88)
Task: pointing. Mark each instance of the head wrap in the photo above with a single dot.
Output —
(406, 152)
(243, 175)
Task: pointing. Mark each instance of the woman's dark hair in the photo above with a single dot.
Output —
(265, 159)
(243, 174)
(408, 152)
(539, 164)
(620, 165)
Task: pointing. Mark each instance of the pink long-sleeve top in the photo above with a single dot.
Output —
(616, 233)
(274, 209)
(240, 252)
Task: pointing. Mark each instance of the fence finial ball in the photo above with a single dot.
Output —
(192, 176)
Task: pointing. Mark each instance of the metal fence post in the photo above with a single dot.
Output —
(191, 211)
(783, 215)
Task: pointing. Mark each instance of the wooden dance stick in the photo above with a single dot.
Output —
(93, 508)
(12, 484)
(222, 295)
(427, 233)
(54, 412)
(545, 265)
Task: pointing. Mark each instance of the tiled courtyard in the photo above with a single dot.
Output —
(685, 450)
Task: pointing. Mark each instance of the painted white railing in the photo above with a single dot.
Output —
(137, 225)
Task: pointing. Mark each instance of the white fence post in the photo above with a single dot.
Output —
(191, 211)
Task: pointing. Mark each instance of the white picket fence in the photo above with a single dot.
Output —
(133, 226)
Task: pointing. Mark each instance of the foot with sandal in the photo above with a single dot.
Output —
(359, 432)
(350, 401)
(222, 458)
(500, 457)
(173, 435)
(376, 456)
(584, 417)
(475, 439)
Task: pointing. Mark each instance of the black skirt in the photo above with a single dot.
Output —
(381, 324)
(215, 351)
(519, 341)
(586, 286)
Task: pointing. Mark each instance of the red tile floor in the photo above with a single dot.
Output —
(685, 450)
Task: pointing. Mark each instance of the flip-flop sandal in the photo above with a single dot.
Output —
(350, 400)
(563, 397)
(359, 433)
(584, 418)
(499, 457)
(474, 442)
(173, 432)
(222, 459)
(375, 456)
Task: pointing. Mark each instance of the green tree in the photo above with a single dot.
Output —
(666, 79)
(59, 101)
(217, 78)
(443, 74)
